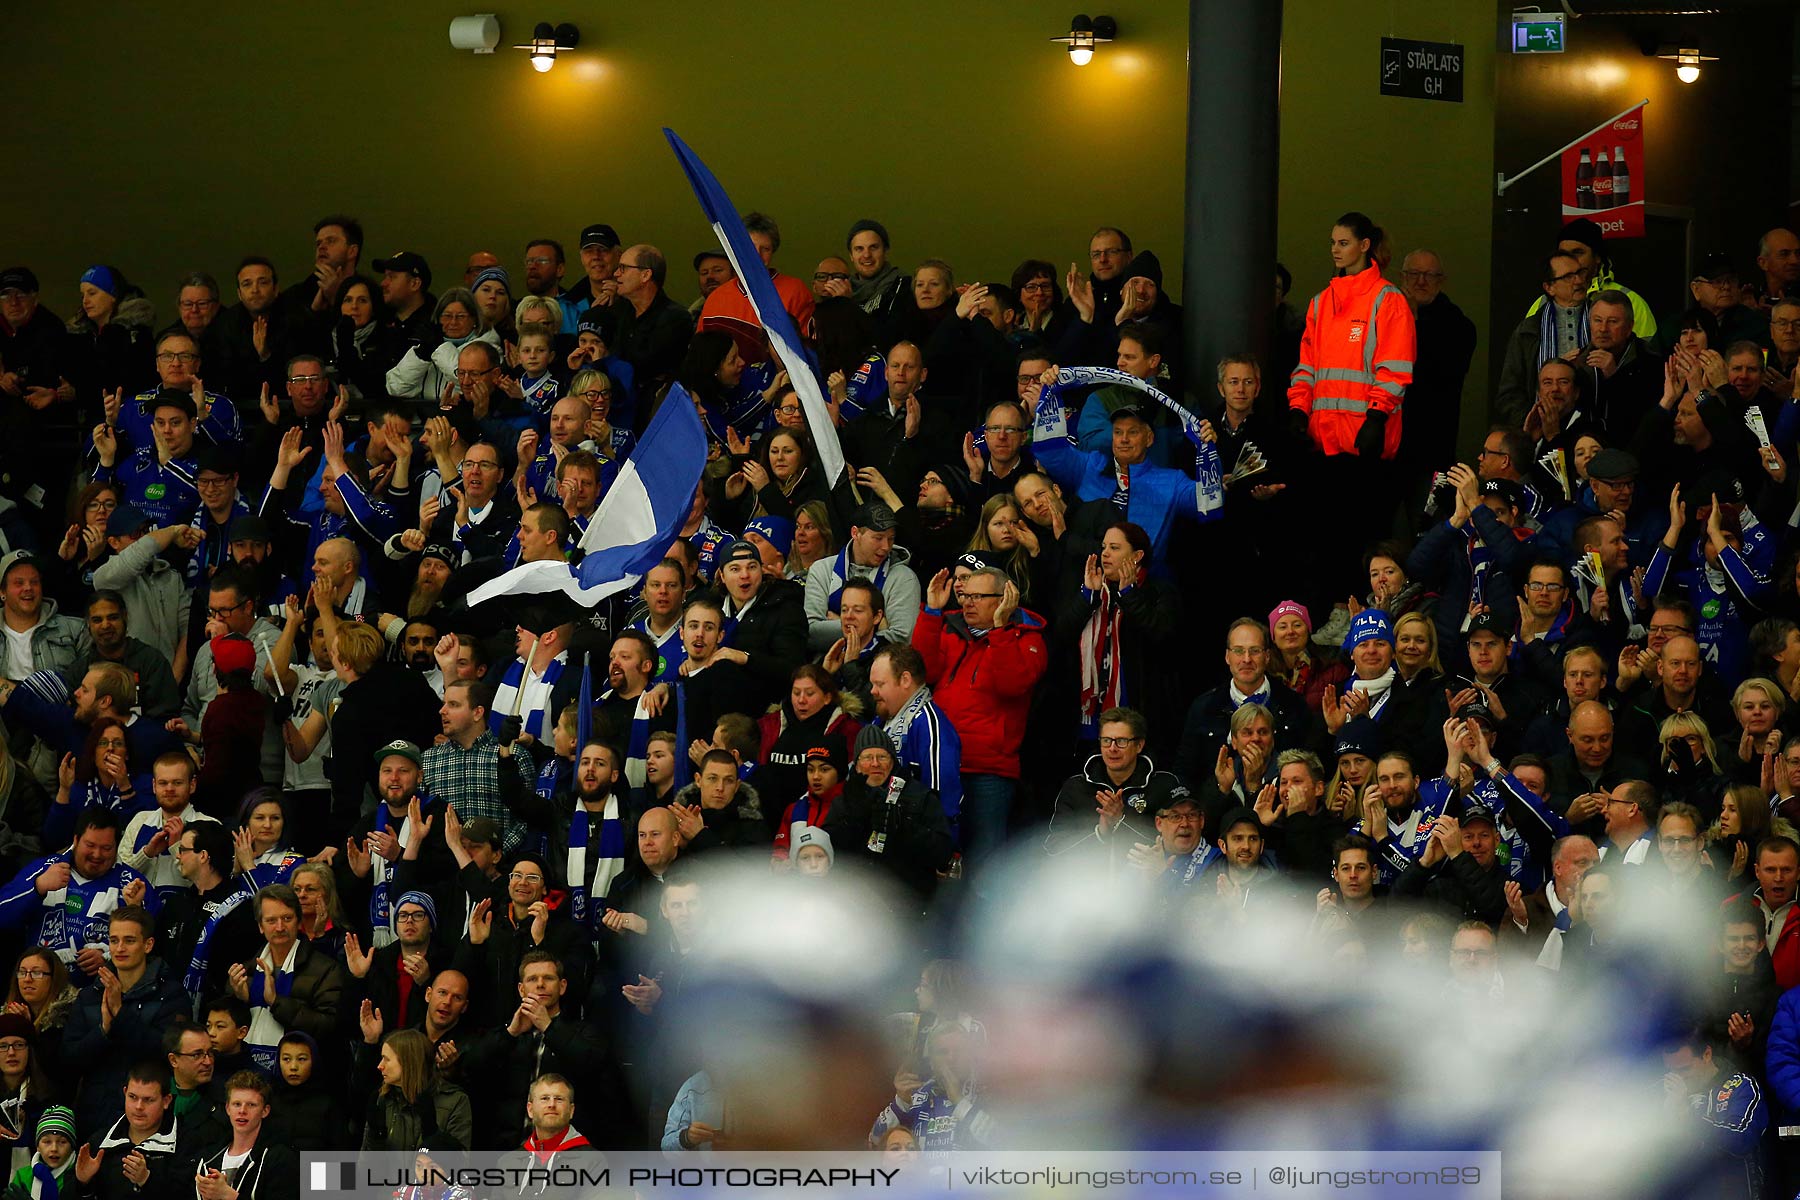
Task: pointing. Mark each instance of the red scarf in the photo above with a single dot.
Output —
(1100, 666)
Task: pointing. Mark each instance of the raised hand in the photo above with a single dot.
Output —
(369, 1018)
(481, 923)
(355, 957)
(937, 592)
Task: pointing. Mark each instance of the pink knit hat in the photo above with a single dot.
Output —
(1290, 608)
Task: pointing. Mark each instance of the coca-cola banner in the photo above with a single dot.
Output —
(1603, 176)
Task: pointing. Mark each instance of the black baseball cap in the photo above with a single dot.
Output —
(1487, 622)
(599, 235)
(1505, 489)
(173, 398)
(739, 551)
(405, 260)
(1715, 266)
(706, 254)
(1129, 410)
(18, 279)
(249, 528)
(1478, 812)
(875, 515)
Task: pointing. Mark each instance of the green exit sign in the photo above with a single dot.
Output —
(1537, 33)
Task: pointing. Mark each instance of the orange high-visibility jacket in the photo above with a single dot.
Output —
(1357, 353)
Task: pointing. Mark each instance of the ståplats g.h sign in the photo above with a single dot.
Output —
(1422, 70)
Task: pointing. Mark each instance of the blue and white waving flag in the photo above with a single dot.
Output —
(635, 523)
(784, 339)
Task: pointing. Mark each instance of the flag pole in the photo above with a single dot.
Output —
(1502, 182)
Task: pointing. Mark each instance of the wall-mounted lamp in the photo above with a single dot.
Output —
(1687, 61)
(547, 40)
(1085, 34)
(479, 33)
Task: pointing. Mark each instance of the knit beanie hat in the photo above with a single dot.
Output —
(421, 900)
(872, 735)
(812, 835)
(58, 1118)
(102, 277)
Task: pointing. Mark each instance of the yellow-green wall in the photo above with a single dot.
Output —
(1423, 169)
(959, 125)
(164, 137)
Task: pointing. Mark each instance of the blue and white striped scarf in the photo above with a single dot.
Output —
(538, 722)
(265, 1030)
(1209, 472)
(195, 979)
(610, 863)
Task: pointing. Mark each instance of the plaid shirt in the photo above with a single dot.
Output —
(470, 780)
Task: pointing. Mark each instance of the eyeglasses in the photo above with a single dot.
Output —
(1118, 743)
(1676, 840)
(1118, 252)
(1467, 953)
(194, 1054)
(410, 916)
(980, 595)
(1041, 285)
(226, 610)
(478, 464)
(471, 376)
(1244, 651)
(593, 394)
(1421, 274)
(1669, 630)
(32, 973)
(14, 1047)
(827, 276)
(213, 480)
(305, 378)
(642, 267)
(1013, 429)
(195, 305)
(1484, 452)
(1569, 277)
(539, 261)
(177, 356)
(1545, 587)
(1784, 324)
(522, 877)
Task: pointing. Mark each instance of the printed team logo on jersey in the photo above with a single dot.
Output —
(1710, 609)
(1356, 332)
(155, 491)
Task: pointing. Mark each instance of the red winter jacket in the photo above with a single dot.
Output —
(1786, 955)
(983, 684)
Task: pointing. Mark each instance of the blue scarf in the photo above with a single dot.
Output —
(1209, 471)
(265, 1030)
(841, 571)
(381, 874)
(43, 1179)
(538, 722)
(611, 862)
(195, 979)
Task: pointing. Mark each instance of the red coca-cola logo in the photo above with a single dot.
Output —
(1625, 125)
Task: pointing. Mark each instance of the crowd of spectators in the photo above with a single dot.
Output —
(301, 850)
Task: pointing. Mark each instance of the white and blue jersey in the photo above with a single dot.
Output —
(68, 919)
(1726, 594)
(930, 750)
(1406, 838)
